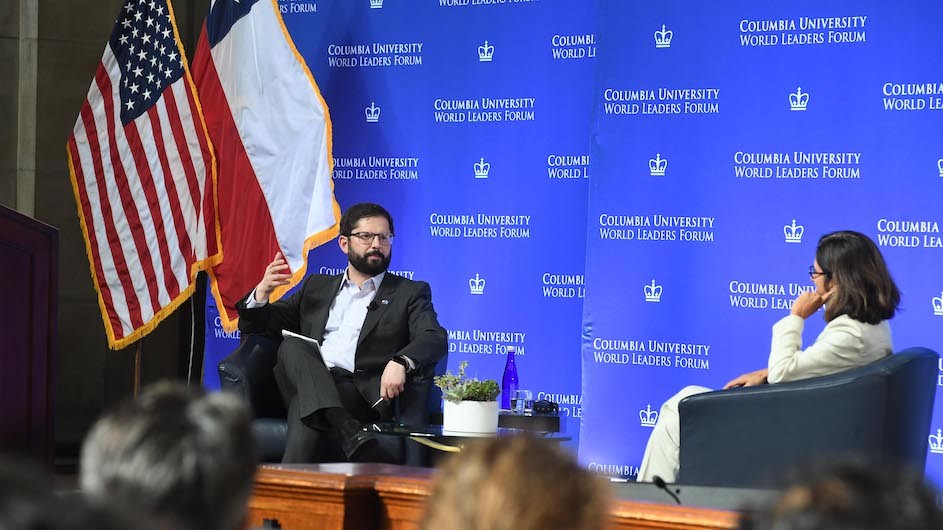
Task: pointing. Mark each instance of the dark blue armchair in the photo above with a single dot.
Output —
(749, 437)
(248, 372)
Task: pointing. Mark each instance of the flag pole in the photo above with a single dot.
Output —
(137, 367)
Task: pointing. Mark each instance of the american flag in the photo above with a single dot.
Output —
(142, 172)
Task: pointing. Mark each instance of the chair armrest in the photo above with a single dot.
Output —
(248, 372)
(748, 437)
(270, 436)
(411, 406)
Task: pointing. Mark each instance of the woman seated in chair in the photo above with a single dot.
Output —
(852, 281)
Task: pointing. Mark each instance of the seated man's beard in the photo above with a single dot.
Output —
(363, 264)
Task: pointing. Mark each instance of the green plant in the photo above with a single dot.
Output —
(457, 387)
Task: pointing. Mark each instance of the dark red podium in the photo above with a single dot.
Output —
(29, 260)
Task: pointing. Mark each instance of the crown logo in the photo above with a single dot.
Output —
(938, 305)
(663, 38)
(939, 165)
(485, 52)
(793, 232)
(372, 112)
(648, 417)
(653, 292)
(798, 100)
(481, 169)
(936, 442)
(657, 165)
(476, 285)
(376, 4)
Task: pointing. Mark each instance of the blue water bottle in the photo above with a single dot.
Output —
(509, 382)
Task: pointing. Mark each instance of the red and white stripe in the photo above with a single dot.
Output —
(146, 200)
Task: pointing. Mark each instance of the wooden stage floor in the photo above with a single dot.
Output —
(387, 497)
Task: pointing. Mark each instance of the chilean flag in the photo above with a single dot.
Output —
(272, 134)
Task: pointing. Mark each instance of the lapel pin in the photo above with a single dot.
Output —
(385, 302)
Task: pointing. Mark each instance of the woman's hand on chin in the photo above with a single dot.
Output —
(807, 303)
(749, 379)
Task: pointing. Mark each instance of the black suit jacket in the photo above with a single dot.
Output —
(402, 322)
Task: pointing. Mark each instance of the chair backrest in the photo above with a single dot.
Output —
(750, 437)
(911, 389)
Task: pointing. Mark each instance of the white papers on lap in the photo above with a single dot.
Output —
(286, 334)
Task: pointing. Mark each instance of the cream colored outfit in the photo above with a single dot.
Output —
(844, 343)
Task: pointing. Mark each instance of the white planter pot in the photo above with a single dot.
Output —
(471, 418)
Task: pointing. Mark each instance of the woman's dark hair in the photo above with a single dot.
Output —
(362, 210)
(866, 291)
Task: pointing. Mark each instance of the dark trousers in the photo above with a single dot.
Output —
(308, 387)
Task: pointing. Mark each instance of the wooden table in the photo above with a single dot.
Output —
(387, 497)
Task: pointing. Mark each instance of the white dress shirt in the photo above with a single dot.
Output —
(346, 319)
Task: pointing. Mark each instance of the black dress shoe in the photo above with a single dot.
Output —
(358, 445)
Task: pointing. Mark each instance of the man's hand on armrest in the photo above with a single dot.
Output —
(393, 380)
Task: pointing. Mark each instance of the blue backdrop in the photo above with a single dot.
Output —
(724, 141)
(481, 153)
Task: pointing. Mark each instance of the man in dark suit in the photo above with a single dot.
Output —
(373, 328)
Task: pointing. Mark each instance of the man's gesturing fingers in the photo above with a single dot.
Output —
(276, 275)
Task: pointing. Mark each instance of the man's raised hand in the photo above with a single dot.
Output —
(276, 275)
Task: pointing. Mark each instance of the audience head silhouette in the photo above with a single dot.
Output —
(27, 502)
(852, 496)
(182, 457)
(516, 483)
